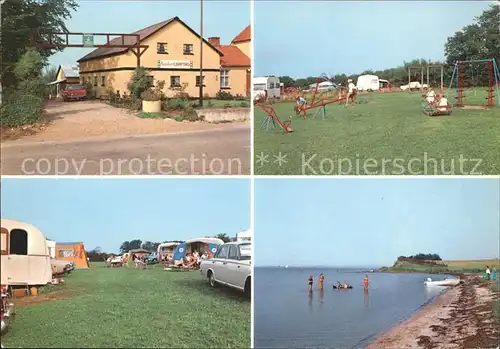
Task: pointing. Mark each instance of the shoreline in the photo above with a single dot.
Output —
(460, 317)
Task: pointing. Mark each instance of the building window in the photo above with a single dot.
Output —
(175, 81)
(95, 80)
(162, 48)
(103, 81)
(188, 49)
(66, 253)
(224, 78)
(198, 81)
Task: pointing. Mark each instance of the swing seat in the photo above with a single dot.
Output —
(432, 110)
(287, 124)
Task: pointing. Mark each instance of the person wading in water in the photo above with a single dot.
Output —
(310, 281)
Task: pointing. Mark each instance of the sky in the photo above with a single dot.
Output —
(106, 212)
(370, 222)
(128, 16)
(309, 38)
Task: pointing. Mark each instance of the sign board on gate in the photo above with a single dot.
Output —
(88, 40)
(174, 64)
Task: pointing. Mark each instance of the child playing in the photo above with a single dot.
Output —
(351, 93)
(310, 281)
(442, 104)
(366, 282)
(430, 96)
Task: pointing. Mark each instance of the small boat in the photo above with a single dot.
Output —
(342, 288)
(445, 282)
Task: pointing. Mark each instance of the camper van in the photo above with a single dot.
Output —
(368, 83)
(25, 258)
(266, 87)
(201, 245)
(245, 235)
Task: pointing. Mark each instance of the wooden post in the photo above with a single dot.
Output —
(428, 76)
(421, 76)
(138, 50)
(442, 81)
(201, 53)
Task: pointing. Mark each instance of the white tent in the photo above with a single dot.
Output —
(25, 258)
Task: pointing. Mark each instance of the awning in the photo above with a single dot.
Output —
(56, 82)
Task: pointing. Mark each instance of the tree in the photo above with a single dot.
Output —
(479, 40)
(19, 19)
(150, 246)
(287, 81)
(224, 237)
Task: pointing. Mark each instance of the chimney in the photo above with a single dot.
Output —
(215, 41)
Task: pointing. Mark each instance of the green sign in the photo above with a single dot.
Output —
(88, 40)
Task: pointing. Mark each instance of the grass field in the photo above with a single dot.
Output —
(387, 135)
(120, 307)
(463, 266)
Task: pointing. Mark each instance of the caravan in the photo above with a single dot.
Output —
(207, 246)
(245, 235)
(25, 258)
(368, 83)
(266, 87)
(166, 249)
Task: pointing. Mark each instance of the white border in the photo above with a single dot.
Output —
(252, 176)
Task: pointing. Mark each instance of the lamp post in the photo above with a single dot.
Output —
(201, 53)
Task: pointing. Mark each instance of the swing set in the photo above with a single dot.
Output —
(321, 103)
(458, 83)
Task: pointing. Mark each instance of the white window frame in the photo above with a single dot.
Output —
(224, 78)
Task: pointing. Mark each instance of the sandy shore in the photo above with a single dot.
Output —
(461, 317)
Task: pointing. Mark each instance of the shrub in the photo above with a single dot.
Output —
(154, 94)
(239, 97)
(175, 104)
(139, 82)
(244, 104)
(21, 109)
(190, 114)
(224, 96)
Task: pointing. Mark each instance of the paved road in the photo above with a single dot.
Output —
(217, 152)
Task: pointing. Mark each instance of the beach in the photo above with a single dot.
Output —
(461, 317)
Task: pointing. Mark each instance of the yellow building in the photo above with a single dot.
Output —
(235, 74)
(173, 56)
(66, 75)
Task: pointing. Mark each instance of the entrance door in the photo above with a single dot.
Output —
(248, 84)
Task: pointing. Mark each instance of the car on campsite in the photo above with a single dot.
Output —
(152, 258)
(74, 92)
(231, 266)
(6, 308)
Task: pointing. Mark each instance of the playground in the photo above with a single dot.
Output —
(389, 133)
(131, 308)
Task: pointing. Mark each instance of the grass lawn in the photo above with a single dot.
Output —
(387, 135)
(460, 266)
(217, 103)
(120, 307)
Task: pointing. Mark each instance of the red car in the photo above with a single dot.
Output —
(74, 92)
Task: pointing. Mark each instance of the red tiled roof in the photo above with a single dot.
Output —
(245, 35)
(233, 57)
(130, 40)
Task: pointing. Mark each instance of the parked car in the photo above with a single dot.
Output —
(74, 92)
(152, 258)
(413, 86)
(6, 308)
(230, 266)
